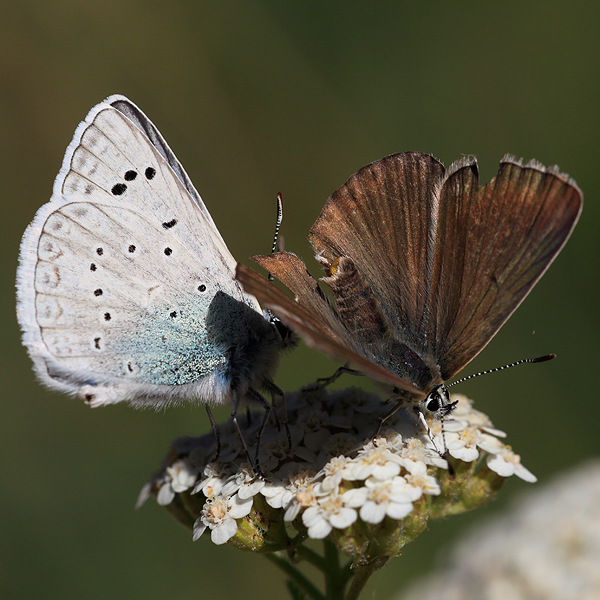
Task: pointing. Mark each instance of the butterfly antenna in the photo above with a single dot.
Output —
(270, 276)
(277, 226)
(519, 362)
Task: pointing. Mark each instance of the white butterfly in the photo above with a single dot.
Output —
(126, 289)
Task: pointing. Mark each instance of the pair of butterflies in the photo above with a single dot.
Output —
(126, 291)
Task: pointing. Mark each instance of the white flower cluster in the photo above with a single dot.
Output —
(333, 473)
(469, 431)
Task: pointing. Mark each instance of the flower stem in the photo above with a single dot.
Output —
(361, 576)
(295, 575)
(335, 578)
(313, 558)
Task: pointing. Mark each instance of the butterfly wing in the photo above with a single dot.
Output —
(448, 261)
(381, 219)
(310, 315)
(138, 118)
(492, 244)
(125, 288)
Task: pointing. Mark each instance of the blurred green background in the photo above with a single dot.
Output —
(256, 98)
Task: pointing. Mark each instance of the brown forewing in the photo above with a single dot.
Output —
(449, 261)
(381, 218)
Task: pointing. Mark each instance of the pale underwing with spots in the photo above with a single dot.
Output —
(125, 287)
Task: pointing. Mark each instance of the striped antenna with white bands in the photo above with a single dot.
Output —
(277, 226)
(519, 362)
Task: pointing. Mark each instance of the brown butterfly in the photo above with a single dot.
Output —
(424, 266)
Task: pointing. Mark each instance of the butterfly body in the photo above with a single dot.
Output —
(424, 266)
(125, 288)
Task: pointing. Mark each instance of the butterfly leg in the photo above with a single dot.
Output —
(263, 402)
(323, 382)
(274, 390)
(385, 417)
(255, 466)
(421, 418)
(213, 425)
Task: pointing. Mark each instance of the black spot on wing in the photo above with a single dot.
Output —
(118, 189)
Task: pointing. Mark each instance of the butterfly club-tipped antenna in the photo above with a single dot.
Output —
(446, 408)
(287, 337)
(285, 332)
(539, 359)
(270, 277)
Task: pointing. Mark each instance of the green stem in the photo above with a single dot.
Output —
(296, 542)
(335, 578)
(312, 557)
(294, 574)
(362, 575)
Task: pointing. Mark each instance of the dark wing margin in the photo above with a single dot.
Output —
(142, 122)
(134, 114)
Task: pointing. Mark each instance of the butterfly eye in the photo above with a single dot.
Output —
(438, 399)
(434, 404)
(287, 335)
